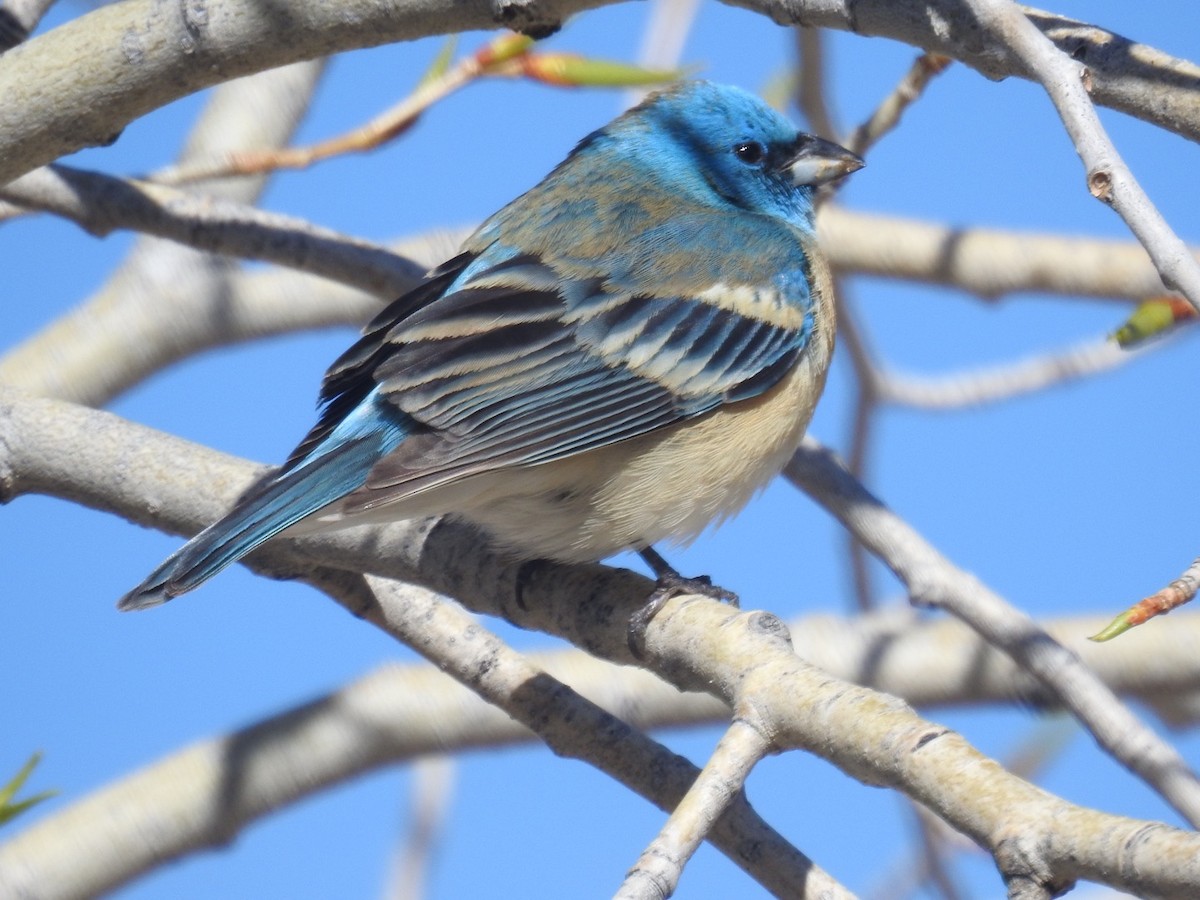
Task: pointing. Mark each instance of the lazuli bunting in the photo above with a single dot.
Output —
(622, 355)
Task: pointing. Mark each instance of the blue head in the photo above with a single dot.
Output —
(717, 143)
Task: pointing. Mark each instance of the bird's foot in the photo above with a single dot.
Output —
(672, 584)
(669, 584)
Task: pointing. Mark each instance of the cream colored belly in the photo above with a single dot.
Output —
(668, 485)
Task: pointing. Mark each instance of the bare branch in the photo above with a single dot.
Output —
(101, 203)
(932, 580)
(65, 451)
(930, 865)
(167, 809)
(571, 725)
(879, 741)
(988, 262)
(574, 727)
(400, 713)
(166, 299)
(255, 771)
(742, 659)
(1134, 78)
(115, 344)
(1108, 178)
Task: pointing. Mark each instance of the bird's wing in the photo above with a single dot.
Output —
(348, 381)
(522, 361)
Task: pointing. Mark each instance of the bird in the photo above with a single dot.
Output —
(623, 355)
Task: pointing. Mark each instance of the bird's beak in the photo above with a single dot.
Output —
(817, 161)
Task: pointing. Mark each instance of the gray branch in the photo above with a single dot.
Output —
(932, 580)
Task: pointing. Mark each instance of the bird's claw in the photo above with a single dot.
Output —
(668, 585)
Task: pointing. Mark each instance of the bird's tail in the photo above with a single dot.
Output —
(326, 475)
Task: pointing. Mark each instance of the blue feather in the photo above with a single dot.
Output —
(334, 468)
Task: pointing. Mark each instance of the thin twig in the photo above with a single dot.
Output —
(812, 90)
(1002, 382)
(1108, 178)
(656, 872)
(888, 113)
(868, 383)
(432, 793)
(385, 127)
(933, 854)
(663, 39)
(1180, 591)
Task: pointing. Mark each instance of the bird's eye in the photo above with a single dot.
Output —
(750, 152)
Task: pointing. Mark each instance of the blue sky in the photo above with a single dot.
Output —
(1071, 501)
